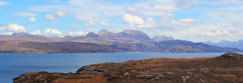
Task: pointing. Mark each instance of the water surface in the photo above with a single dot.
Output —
(13, 65)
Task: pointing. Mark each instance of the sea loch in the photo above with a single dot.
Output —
(13, 65)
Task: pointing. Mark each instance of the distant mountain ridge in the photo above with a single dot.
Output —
(103, 35)
(124, 36)
(29, 37)
(103, 41)
(235, 44)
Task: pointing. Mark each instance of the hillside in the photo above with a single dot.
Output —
(227, 68)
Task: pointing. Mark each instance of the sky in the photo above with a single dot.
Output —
(193, 20)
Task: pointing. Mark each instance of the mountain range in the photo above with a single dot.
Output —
(103, 41)
(235, 44)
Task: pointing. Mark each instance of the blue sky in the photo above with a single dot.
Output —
(195, 20)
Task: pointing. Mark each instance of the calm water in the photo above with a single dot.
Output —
(13, 65)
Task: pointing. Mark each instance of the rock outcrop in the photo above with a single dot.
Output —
(227, 68)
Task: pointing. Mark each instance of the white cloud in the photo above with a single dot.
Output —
(27, 14)
(7, 33)
(159, 16)
(57, 1)
(219, 35)
(183, 3)
(150, 23)
(90, 23)
(13, 28)
(216, 33)
(220, 2)
(53, 22)
(238, 24)
(106, 24)
(133, 20)
(50, 17)
(166, 23)
(101, 10)
(61, 12)
(37, 32)
(32, 19)
(183, 22)
(45, 8)
(187, 20)
(153, 7)
(3, 3)
(51, 31)
(223, 23)
(76, 33)
(84, 9)
(93, 10)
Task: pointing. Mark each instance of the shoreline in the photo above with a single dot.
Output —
(151, 70)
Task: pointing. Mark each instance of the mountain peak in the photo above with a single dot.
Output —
(104, 32)
(20, 34)
(136, 34)
(92, 34)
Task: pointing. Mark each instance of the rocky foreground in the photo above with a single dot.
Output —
(227, 68)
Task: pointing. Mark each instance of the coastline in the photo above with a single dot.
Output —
(219, 69)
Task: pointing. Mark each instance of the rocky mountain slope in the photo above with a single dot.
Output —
(227, 68)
